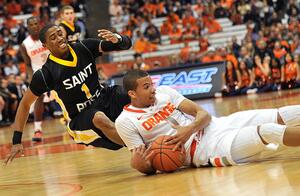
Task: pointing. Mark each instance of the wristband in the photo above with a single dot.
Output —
(17, 137)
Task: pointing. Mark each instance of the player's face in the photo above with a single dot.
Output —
(33, 26)
(68, 15)
(56, 41)
(145, 91)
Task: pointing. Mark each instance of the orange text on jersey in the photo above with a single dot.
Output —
(163, 114)
(37, 51)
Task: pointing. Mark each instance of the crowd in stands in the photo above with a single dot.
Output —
(13, 74)
(267, 59)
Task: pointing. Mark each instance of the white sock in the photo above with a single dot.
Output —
(37, 125)
(290, 115)
(272, 133)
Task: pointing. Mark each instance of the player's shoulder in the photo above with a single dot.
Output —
(27, 40)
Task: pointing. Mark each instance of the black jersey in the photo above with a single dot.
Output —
(75, 81)
(70, 29)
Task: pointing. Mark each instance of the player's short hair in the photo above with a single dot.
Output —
(130, 78)
(31, 18)
(65, 7)
(42, 35)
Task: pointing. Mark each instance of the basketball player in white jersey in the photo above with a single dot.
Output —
(230, 140)
(35, 56)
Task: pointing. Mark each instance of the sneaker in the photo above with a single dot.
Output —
(218, 95)
(38, 136)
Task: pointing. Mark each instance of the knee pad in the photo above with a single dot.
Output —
(272, 133)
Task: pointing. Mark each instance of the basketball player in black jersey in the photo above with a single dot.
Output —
(70, 28)
(70, 70)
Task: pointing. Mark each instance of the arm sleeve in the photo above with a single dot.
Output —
(128, 132)
(41, 82)
(93, 46)
(176, 97)
(124, 44)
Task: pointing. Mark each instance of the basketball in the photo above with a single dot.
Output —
(163, 158)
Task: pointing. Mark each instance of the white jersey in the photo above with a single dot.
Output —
(211, 146)
(37, 53)
(138, 126)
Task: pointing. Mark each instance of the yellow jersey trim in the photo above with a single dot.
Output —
(65, 62)
(70, 26)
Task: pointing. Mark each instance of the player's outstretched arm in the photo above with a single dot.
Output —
(113, 41)
(19, 124)
(140, 159)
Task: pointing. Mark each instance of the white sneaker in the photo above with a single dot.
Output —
(218, 94)
(252, 91)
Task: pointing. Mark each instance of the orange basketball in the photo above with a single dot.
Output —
(163, 158)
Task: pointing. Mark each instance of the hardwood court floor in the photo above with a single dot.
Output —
(60, 167)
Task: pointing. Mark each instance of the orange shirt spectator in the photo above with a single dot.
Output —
(175, 34)
(13, 8)
(211, 57)
(203, 44)
(278, 53)
(227, 3)
(185, 52)
(166, 28)
(173, 18)
(188, 19)
(10, 22)
(189, 33)
(212, 25)
(232, 58)
(142, 45)
(127, 31)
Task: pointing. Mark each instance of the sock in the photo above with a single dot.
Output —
(272, 133)
(37, 125)
(290, 115)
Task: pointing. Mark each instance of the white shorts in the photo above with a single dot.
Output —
(214, 147)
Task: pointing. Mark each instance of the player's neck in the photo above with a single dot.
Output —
(138, 104)
(34, 37)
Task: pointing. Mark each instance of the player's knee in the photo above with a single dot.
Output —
(98, 117)
(100, 120)
(272, 133)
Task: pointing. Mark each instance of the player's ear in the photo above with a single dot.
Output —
(132, 94)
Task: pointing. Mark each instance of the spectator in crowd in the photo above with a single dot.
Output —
(115, 8)
(10, 68)
(139, 63)
(152, 34)
(275, 67)
(245, 77)
(71, 29)
(10, 100)
(290, 73)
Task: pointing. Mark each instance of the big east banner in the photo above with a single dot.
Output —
(193, 81)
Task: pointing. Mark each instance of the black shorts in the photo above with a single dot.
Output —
(111, 103)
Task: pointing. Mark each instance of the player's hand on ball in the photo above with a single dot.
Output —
(108, 35)
(182, 135)
(16, 149)
(141, 158)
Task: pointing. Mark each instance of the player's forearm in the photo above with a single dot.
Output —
(201, 121)
(21, 116)
(143, 167)
(124, 44)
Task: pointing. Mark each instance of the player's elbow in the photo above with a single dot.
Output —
(126, 43)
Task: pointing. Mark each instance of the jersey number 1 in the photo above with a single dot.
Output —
(86, 90)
